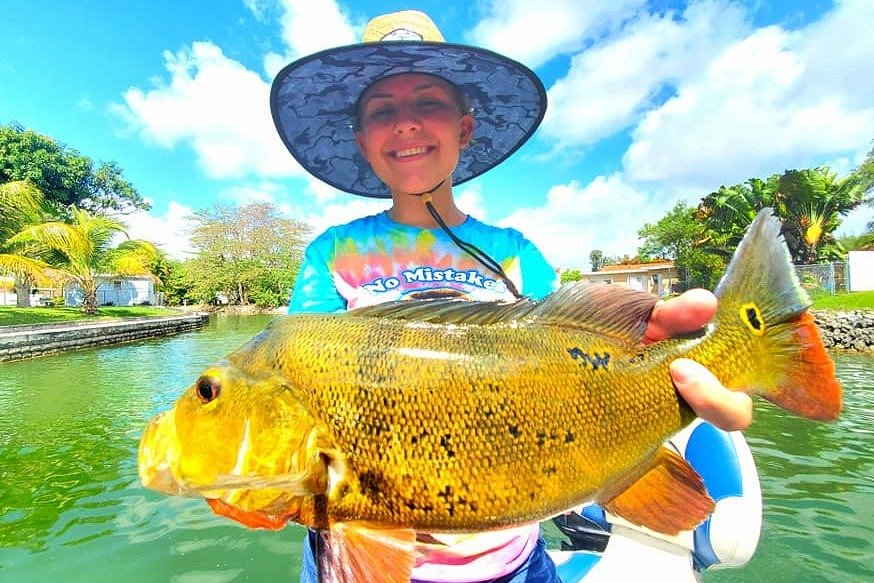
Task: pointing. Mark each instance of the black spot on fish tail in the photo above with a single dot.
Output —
(569, 437)
(514, 431)
(752, 317)
(549, 470)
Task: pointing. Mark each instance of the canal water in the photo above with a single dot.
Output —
(72, 509)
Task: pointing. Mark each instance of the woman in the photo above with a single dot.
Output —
(407, 116)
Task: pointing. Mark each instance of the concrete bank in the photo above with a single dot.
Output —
(20, 342)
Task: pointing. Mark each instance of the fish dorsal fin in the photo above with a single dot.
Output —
(599, 308)
(448, 311)
(356, 552)
(668, 498)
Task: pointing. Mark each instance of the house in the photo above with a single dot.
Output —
(129, 290)
(660, 278)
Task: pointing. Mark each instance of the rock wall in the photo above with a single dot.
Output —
(852, 330)
(19, 342)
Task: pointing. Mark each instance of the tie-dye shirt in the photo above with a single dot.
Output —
(374, 260)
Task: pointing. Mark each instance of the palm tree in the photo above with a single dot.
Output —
(809, 203)
(812, 203)
(21, 204)
(728, 212)
(82, 250)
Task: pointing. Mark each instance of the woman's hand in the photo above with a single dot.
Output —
(727, 409)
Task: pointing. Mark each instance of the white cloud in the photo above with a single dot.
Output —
(171, 232)
(215, 105)
(771, 101)
(605, 214)
(350, 208)
(469, 199)
(609, 86)
(535, 32)
(308, 27)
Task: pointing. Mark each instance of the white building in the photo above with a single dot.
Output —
(129, 290)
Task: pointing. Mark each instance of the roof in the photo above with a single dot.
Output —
(637, 267)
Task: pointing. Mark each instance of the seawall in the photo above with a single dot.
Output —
(20, 342)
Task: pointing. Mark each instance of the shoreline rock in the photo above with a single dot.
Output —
(851, 331)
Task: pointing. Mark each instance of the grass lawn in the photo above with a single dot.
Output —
(845, 301)
(12, 316)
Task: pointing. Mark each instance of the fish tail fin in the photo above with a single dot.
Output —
(761, 298)
(356, 552)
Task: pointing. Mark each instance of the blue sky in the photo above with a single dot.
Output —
(651, 102)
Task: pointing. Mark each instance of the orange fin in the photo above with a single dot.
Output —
(247, 518)
(669, 497)
(357, 552)
(809, 387)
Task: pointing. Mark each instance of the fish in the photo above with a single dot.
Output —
(454, 416)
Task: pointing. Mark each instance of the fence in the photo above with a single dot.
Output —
(824, 278)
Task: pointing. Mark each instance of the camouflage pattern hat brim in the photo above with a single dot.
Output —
(313, 105)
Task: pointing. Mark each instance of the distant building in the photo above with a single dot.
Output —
(660, 278)
(130, 290)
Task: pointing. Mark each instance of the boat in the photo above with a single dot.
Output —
(602, 547)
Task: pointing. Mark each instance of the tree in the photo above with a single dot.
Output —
(82, 250)
(809, 203)
(65, 177)
(678, 236)
(597, 259)
(249, 254)
(570, 275)
(21, 205)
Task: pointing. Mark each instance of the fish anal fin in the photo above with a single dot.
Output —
(668, 497)
(355, 552)
(247, 518)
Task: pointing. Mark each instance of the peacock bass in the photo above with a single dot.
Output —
(454, 416)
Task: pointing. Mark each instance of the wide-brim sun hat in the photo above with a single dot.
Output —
(313, 99)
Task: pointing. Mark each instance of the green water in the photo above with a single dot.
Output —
(71, 508)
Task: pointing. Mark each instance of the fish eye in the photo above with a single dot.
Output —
(208, 389)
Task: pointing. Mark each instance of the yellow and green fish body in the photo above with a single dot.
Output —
(452, 416)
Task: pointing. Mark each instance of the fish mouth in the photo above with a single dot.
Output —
(154, 457)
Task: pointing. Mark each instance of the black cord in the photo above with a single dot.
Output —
(481, 256)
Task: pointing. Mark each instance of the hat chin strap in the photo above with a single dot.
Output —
(481, 256)
(429, 192)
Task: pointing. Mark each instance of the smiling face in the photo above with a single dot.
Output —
(411, 129)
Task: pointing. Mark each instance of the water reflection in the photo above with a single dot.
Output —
(72, 509)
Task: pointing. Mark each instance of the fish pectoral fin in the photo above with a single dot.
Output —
(248, 518)
(668, 497)
(353, 552)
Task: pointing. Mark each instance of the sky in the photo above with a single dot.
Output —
(650, 103)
